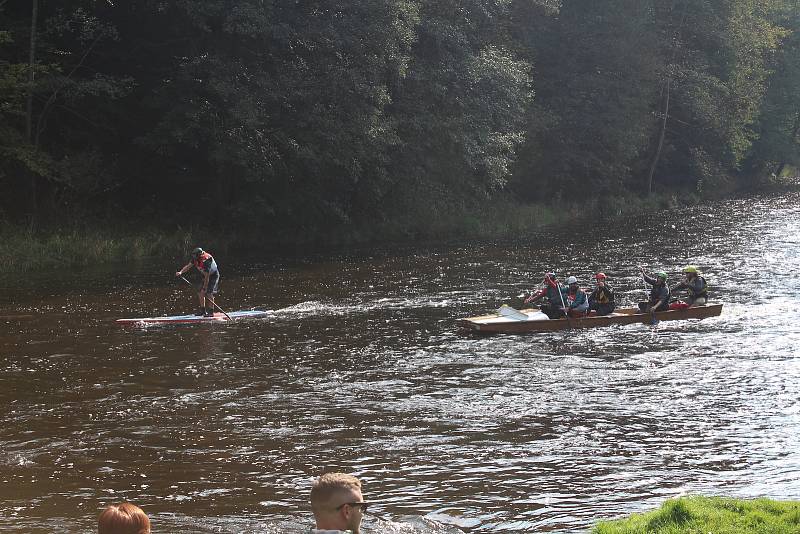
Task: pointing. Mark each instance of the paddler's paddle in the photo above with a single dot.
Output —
(563, 305)
(507, 311)
(212, 302)
(653, 320)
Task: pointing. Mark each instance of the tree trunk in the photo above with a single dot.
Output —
(670, 72)
(29, 105)
(782, 165)
(31, 74)
(660, 141)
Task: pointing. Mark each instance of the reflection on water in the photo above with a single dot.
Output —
(221, 428)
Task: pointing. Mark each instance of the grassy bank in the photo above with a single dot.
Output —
(23, 250)
(717, 515)
(493, 219)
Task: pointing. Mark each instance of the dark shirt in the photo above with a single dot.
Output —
(659, 293)
(602, 295)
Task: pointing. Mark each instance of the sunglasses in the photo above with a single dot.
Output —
(362, 504)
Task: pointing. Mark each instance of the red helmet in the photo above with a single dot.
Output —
(600, 276)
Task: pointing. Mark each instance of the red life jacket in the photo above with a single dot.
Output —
(198, 262)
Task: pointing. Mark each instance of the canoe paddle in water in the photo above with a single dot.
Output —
(653, 319)
(564, 306)
(212, 302)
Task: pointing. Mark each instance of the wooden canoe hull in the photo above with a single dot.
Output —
(497, 324)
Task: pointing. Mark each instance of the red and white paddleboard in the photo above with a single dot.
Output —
(188, 319)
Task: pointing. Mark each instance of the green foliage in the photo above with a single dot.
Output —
(589, 131)
(299, 117)
(460, 110)
(719, 66)
(695, 515)
(604, 89)
(286, 101)
(68, 96)
(778, 144)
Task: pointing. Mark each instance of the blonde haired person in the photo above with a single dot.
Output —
(337, 504)
(124, 518)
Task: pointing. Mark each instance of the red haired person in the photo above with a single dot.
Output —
(124, 518)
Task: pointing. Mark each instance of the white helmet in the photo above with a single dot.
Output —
(572, 280)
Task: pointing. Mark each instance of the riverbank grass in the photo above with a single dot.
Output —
(717, 515)
(23, 250)
(89, 243)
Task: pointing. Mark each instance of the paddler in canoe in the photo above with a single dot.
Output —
(577, 300)
(695, 285)
(555, 297)
(658, 299)
(601, 300)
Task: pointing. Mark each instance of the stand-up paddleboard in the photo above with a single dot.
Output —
(189, 319)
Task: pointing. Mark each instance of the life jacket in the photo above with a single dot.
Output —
(201, 259)
(702, 292)
(601, 297)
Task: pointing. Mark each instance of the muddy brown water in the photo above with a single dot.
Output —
(358, 367)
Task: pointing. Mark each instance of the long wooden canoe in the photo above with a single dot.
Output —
(510, 322)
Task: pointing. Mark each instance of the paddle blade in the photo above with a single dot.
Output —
(507, 311)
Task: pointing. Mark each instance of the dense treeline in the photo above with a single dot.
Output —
(305, 114)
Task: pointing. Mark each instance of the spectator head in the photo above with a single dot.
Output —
(337, 502)
(125, 518)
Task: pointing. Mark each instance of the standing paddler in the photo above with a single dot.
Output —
(204, 262)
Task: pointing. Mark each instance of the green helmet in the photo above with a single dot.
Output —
(690, 269)
(661, 275)
(196, 253)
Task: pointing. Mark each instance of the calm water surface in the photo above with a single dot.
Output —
(358, 367)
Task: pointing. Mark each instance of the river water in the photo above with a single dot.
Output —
(359, 368)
